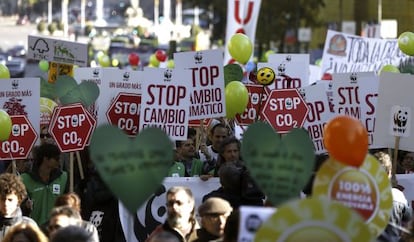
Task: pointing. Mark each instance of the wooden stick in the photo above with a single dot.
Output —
(78, 158)
(394, 160)
(71, 160)
(14, 168)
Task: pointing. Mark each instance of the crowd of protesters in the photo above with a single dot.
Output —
(36, 203)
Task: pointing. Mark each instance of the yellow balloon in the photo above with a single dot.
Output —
(240, 48)
(154, 61)
(237, 97)
(4, 72)
(5, 124)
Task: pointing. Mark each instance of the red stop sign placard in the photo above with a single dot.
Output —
(285, 109)
(124, 112)
(71, 128)
(254, 106)
(21, 140)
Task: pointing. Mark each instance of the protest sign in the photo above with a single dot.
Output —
(355, 95)
(352, 53)
(318, 115)
(207, 82)
(292, 70)
(166, 101)
(21, 96)
(393, 114)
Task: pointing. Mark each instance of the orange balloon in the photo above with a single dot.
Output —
(346, 140)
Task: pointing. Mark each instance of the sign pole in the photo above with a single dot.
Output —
(78, 159)
(71, 157)
(394, 160)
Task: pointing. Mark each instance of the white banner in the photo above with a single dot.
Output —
(154, 212)
(242, 17)
(352, 53)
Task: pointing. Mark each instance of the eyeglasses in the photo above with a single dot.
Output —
(45, 136)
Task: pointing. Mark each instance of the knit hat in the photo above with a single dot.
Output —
(214, 205)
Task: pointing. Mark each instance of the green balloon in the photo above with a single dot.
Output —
(154, 61)
(389, 68)
(104, 61)
(237, 97)
(44, 65)
(240, 48)
(406, 43)
(267, 53)
(280, 166)
(4, 72)
(5, 124)
(130, 165)
(170, 64)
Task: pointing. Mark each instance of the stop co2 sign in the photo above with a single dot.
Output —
(285, 109)
(71, 127)
(124, 112)
(21, 140)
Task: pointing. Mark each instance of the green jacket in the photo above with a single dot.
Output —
(44, 195)
(178, 169)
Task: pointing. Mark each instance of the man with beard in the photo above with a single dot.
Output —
(181, 221)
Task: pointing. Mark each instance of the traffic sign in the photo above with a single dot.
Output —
(71, 127)
(21, 140)
(285, 109)
(124, 112)
(254, 106)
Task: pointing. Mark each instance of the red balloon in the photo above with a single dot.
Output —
(346, 140)
(133, 59)
(161, 55)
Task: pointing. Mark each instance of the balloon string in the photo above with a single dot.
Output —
(260, 104)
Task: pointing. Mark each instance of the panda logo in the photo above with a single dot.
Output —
(400, 118)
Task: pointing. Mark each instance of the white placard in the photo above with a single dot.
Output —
(59, 51)
(395, 90)
(206, 78)
(166, 101)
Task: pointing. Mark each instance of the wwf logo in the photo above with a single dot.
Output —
(400, 118)
(95, 72)
(126, 76)
(302, 93)
(281, 69)
(353, 77)
(288, 58)
(198, 57)
(167, 75)
(15, 84)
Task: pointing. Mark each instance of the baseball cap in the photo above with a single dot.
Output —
(214, 205)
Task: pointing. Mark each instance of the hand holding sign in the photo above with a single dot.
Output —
(281, 167)
(346, 140)
(132, 169)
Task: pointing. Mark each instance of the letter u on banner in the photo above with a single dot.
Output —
(241, 18)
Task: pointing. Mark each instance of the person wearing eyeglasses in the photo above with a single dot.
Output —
(181, 220)
(214, 213)
(45, 136)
